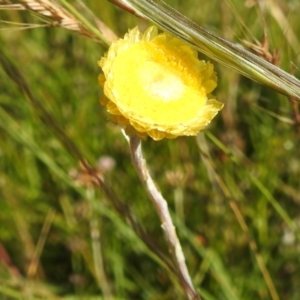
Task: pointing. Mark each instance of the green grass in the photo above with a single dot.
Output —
(235, 198)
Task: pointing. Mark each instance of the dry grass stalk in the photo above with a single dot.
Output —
(50, 9)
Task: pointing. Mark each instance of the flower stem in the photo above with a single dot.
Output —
(161, 207)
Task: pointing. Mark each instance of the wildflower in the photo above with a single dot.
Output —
(155, 85)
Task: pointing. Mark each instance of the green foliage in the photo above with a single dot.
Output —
(235, 185)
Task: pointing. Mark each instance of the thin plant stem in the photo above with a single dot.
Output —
(35, 262)
(100, 275)
(86, 23)
(162, 210)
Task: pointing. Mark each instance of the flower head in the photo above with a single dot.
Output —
(155, 85)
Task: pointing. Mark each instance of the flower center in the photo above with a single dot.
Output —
(159, 82)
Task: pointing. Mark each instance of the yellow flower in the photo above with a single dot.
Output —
(155, 85)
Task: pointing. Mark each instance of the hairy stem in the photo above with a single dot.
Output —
(161, 207)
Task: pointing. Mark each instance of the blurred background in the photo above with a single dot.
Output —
(233, 191)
